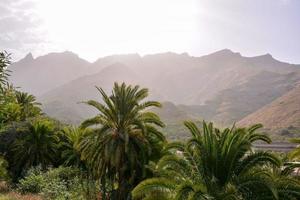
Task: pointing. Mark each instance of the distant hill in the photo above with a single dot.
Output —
(170, 113)
(65, 102)
(223, 87)
(173, 117)
(45, 73)
(281, 115)
(233, 104)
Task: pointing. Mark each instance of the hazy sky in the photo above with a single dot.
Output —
(94, 28)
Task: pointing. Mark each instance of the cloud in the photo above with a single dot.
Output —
(20, 29)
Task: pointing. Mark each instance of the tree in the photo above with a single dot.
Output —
(124, 140)
(295, 153)
(71, 138)
(36, 145)
(5, 91)
(69, 145)
(17, 106)
(14, 105)
(29, 105)
(215, 164)
(4, 72)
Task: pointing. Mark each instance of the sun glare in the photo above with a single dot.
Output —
(105, 27)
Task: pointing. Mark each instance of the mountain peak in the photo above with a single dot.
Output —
(225, 52)
(264, 57)
(69, 53)
(59, 54)
(27, 58)
(267, 55)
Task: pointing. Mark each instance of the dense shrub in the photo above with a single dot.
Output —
(32, 182)
(55, 183)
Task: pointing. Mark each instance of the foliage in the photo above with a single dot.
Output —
(4, 90)
(125, 139)
(220, 165)
(56, 183)
(29, 106)
(14, 105)
(70, 144)
(3, 169)
(17, 196)
(18, 106)
(33, 181)
(123, 151)
(4, 72)
(295, 154)
(62, 183)
(36, 145)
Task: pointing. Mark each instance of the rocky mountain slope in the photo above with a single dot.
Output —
(281, 115)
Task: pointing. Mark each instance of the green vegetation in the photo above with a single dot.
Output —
(216, 164)
(295, 154)
(122, 153)
(37, 145)
(127, 139)
(56, 183)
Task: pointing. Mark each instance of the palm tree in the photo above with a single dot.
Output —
(287, 185)
(295, 153)
(29, 105)
(4, 72)
(213, 165)
(37, 145)
(71, 156)
(69, 145)
(125, 139)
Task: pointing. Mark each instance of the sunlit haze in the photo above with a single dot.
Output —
(94, 28)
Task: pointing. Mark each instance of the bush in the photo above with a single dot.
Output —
(56, 183)
(33, 181)
(3, 169)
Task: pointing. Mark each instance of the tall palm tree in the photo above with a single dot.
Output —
(125, 139)
(214, 164)
(37, 145)
(4, 74)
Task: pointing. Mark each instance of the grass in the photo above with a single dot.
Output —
(17, 196)
(7, 194)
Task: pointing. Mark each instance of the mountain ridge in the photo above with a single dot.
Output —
(223, 87)
(283, 112)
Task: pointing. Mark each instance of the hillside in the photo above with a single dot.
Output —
(235, 103)
(173, 117)
(64, 102)
(223, 87)
(281, 115)
(42, 74)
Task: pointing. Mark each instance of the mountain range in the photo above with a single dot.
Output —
(224, 87)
